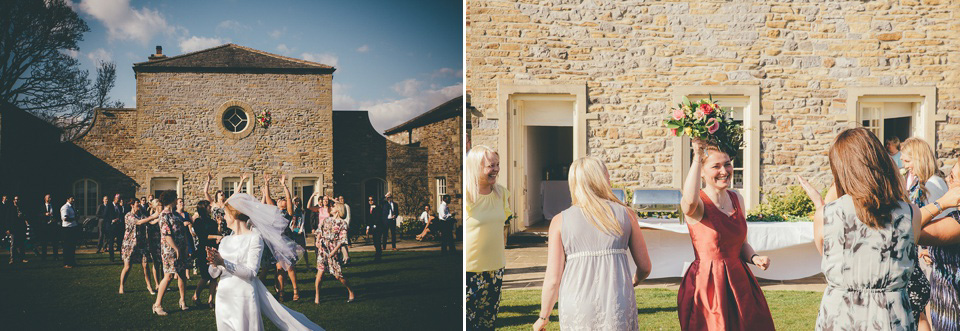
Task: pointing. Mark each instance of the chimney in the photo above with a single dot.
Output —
(159, 55)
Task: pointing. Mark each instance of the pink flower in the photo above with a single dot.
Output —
(678, 114)
(706, 108)
(713, 125)
(699, 114)
(673, 132)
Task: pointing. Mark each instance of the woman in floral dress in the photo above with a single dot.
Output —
(173, 247)
(332, 235)
(135, 245)
(217, 203)
(152, 236)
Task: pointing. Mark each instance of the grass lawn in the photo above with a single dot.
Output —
(406, 290)
(657, 309)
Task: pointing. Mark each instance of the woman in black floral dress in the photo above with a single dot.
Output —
(152, 237)
(173, 245)
(135, 245)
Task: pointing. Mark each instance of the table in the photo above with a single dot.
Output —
(788, 244)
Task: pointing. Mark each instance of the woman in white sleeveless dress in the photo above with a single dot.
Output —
(241, 297)
(587, 259)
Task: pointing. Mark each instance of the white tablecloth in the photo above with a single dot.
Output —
(788, 244)
(556, 197)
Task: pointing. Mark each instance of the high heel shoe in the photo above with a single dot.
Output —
(296, 296)
(183, 306)
(157, 309)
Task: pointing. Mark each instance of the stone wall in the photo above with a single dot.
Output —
(407, 177)
(630, 54)
(177, 128)
(359, 153)
(430, 151)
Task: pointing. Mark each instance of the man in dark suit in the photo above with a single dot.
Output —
(116, 224)
(390, 212)
(50, 224)
(374, 226)
(16, 228)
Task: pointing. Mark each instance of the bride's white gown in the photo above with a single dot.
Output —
(241, 297)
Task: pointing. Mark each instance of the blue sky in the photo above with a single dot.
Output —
(396, 59)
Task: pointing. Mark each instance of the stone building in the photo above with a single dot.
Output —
(197, 113)
(30, 155)
(598, 78)
(359, 162)
(425, 159)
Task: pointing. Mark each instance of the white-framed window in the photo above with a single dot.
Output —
(85, 192)
(902, 111)
(231, 185)
(889, 117)
(159, 185)
(441, 190)
(304, 187)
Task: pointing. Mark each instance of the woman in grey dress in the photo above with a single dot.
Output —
(868, 239)
(587, 266)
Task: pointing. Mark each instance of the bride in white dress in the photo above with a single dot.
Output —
(241, 297)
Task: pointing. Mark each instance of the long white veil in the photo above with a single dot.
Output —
(267, 220)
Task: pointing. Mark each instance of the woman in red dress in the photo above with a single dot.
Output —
(718, 291)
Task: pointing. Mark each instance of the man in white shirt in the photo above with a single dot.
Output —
(50, 235)
(447, 224)
(390, 210)
(71, 233)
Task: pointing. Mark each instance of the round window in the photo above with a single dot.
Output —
(235, 119)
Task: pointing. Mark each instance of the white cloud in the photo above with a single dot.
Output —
(277, 33)
(231, 25)
(124, 22)
(408, 88)
(195, 43)
(283, 49)
(71, 53)
(98, 55)
(388, 114)
(363, 49)
(322, 58)
(341, 98)
(443, 72)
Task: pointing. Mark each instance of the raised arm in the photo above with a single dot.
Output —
(690, 204)
(556, 259)
(243, 181)
(286, 194)
(266, 190)
(818, 203)
(206, 188)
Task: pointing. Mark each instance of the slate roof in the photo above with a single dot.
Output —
(231, 58)
(449, 109)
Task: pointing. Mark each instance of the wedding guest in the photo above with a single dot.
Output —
(429, 220)
(104, 218)
(867, 237)
(173, 251)
(208, 235)
(390, 212)
(16, 227)
(50, 236)
(346, 219)
(286, 210)
(487, 207)
(188, 227)
(893, 148)
(217, 205)
(144, 205)
(70, 233)
(117, 224)
(587, 256)
(374, 225)
(300, 228)
(925, 184)
(331, 236)
(134, 247)
(152, 230)
(317, 204)
(447, 224)
(944, 236)
(718, 229)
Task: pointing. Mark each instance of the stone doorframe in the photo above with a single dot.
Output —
(751, 137)
(154, 175)
(508, 122)
(927, 117)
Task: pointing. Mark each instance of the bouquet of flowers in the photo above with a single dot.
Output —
(264, 119)
(705, 120)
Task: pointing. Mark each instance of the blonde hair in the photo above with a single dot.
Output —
(924, 162)
(590, 190)
(473, 173)
(340, 209)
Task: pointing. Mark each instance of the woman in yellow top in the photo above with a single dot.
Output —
(487, 209)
